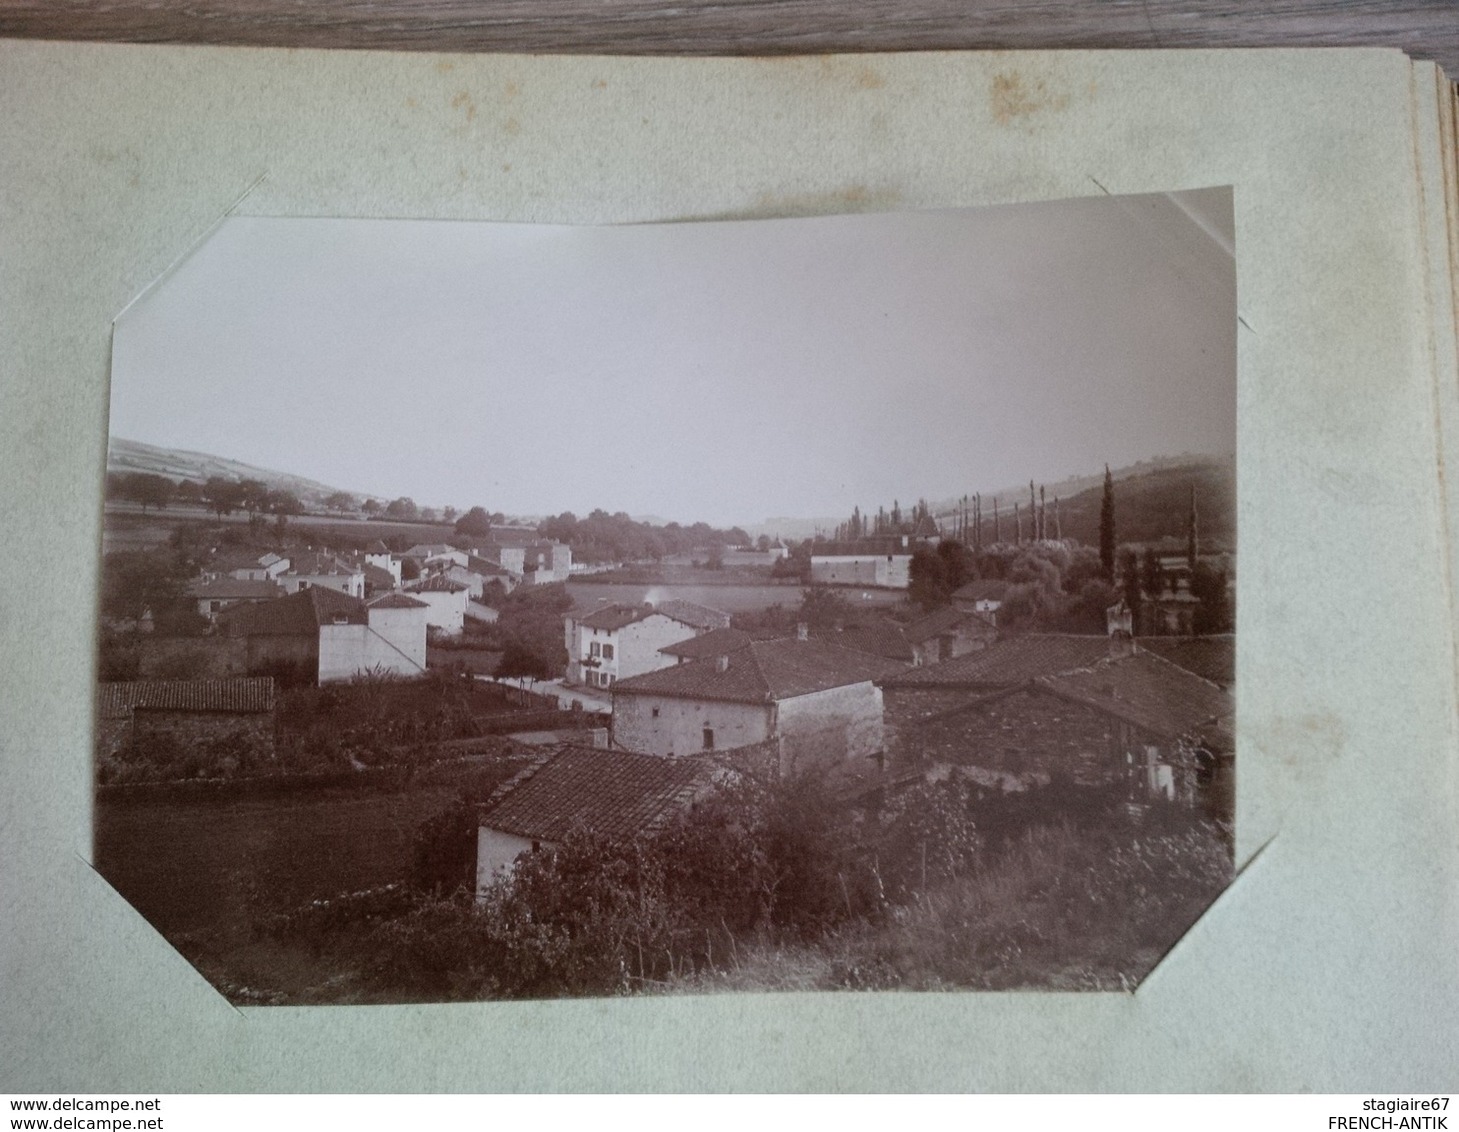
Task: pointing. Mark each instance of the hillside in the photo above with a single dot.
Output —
(1152, 501)
(134, 456)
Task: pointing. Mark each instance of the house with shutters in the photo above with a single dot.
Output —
(817, 702)
(615, 642)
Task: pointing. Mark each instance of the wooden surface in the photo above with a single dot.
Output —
(1426, 29)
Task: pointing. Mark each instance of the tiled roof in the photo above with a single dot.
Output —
(874, 547)
(716, 642)
(944, 620)
(692, 613)
(984, 589)
(397, 601)
(1011, 660)
(437, 584)
(1149, 692)
(235, 589)
(612, 793)
(762, 672)
(377, 547)
(430, 549)
(319, 565)
(610, 617)
(485, 567)
(880, 637)
(1212, 658)
(118, 699)
(299, 614)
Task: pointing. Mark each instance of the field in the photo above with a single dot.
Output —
(730, 599)
(205, 872)
(126, 526)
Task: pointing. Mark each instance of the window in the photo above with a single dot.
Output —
(655, 713)
(607, 652)
(709, 738)
(595, 649)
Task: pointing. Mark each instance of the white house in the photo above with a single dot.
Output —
(323, 571)
(446, 600)
(380, 556)
(885, 571)
(391, 639)
(321, 635)
(817, 700)
(532, 561)
(615, 642)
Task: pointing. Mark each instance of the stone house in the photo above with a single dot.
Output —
(135, 713)
(609, 793)
(818, 702)
(1135, 724)
(948, 633)
(915, 693)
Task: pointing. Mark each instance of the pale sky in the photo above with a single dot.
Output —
(723, 371)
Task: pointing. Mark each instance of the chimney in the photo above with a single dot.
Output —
(1119, 621)
(721, 664)
(802, 632)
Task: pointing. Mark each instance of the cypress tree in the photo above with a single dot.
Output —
(1192, 542)
(1107, 527)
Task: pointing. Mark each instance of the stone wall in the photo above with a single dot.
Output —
(830, 726)
(660, 725)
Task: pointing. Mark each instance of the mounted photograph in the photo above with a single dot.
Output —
(500, 611)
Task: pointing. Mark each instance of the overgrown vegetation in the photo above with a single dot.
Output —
(782, 885)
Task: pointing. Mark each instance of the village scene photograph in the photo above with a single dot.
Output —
(504, 611)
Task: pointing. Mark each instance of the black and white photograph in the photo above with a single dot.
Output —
(507, 611)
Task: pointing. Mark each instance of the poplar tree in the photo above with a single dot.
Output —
(1107, 527)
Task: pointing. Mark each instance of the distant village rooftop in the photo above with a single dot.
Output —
(762, 672)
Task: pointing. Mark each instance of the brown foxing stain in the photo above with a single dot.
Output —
(464, 102)
(411, 103)
(1012, 99)
(512, 89)
(1302, 738)
(445, 67)
(512, 127)
(600, 84)
(854, 198)
(829, 70)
